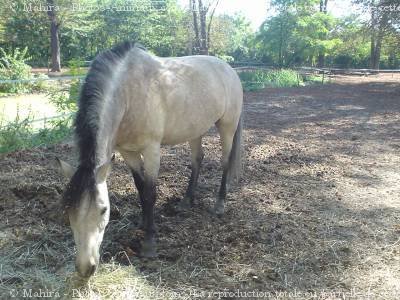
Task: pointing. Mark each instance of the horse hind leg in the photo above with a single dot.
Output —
(197, 155)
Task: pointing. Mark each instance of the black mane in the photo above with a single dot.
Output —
(87, 119)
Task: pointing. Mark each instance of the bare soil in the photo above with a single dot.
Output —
(316, 215)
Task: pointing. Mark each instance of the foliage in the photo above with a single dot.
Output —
(76, 67)
(27, 28)
(66, 98)
(257, 80)
(227, 58)
(297, 35)
(13, 67)
(315, 79)
(354, 49)
(229, 36)
(20, 134)
(40, 84)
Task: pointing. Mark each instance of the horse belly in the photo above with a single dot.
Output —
(186, 127)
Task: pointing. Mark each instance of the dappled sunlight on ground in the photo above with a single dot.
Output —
(35, 106)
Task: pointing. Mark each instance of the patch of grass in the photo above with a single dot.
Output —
(65, 99)
(13, 67)
(76, 68)
(253, 81)
(316, 79)
(20, 134)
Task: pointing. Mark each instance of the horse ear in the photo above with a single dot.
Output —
(66, 169)
(102, 172)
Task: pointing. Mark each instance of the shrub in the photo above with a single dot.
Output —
(40, 84)
(65, 99)
(20, 134)
(259, 79)
(14, 134)
(13, 67)
(76, 67)
(229, 59)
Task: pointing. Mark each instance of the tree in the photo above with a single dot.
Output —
(297, 34)
(200, 27)
(230, 35)
(28, 29)
(323, 8)
(382, 21)
(54, 37)
(353, 51)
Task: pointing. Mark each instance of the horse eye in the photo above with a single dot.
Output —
(103, 210)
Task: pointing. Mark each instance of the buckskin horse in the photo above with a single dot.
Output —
(134, 102)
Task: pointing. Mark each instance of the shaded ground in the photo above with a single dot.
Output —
(316, 214)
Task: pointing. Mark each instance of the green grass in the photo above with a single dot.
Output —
(18, 128)
(253, 81)
(20, 134)
(316, 79)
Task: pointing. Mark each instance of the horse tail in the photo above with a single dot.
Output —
(235, 157)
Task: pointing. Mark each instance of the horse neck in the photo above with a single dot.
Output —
(109, 121)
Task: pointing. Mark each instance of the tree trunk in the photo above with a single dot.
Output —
(54, 39)
(280, 60)
(323, 7)
(372, 62)
(196, 47)
(202, 33)
(203, 29)
(209, 25)
(378, 43)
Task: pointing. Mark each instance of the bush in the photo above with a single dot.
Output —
(66, 99)
(259, 79)
(227, 58)
(76, 67)
(13, 67)
(20, 134)
(13, 135)
(40, 84)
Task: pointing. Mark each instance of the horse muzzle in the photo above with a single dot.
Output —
(87, 269)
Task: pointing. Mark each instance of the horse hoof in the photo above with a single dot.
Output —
(184, 205)
(148, 253)
(219, 210)
(148, 249)
(140, 225)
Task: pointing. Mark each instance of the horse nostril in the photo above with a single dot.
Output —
(92, 269)
(89, 272)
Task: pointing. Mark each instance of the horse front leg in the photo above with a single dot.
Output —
(135, 163)
(151, 156)
(145, 172)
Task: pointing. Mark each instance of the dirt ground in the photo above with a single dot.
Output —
(316, 215)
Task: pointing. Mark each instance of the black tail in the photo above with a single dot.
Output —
(235, 157)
